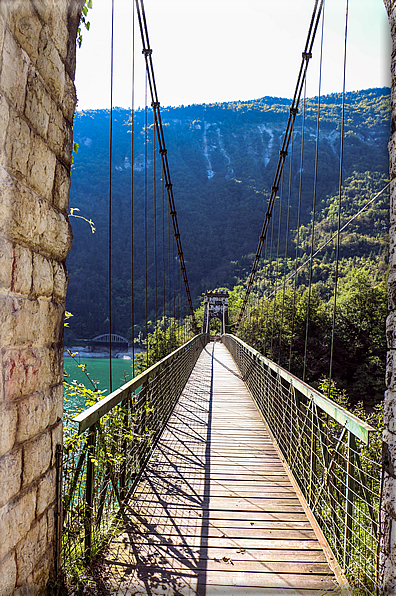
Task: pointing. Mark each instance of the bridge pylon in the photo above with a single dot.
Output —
(215, 307)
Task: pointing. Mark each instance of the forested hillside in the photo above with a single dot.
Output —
(222, 159)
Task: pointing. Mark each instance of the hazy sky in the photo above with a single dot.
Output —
(222, 50)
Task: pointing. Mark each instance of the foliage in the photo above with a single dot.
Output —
(83, 21)
(280, 327)
(168, 335)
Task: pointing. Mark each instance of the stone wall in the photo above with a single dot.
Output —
(37, 101)
(387, 568)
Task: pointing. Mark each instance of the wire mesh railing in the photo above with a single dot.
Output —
(104, 458)
(327, 450)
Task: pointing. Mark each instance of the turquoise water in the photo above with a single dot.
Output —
(99, 371)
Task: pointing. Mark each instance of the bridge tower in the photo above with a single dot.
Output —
(215, 307)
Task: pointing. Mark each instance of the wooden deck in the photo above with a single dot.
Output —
(215, 513)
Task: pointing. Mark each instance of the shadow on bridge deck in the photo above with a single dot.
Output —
(215, 512)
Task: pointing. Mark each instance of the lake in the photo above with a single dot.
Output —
(98, 369)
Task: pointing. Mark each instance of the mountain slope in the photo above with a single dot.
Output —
(222, 159)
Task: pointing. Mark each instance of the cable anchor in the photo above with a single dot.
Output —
(147, 52)
(307, 55)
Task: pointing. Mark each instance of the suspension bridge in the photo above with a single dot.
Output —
(217, 470)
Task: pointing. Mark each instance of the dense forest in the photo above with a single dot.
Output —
(222, 159)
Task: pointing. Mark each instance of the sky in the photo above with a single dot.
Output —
(207, 51)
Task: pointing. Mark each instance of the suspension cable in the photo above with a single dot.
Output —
(110, 183)
(286, 248)
(132, 192)
(339, 197)
(145, 219)
(147, 51)
(314, 203)
(298, 223)
(277, 264)
(306, 56)
(155, 248)
(163, 253)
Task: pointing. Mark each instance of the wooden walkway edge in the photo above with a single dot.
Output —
(215, 512)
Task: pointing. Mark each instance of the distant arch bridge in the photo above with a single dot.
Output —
(102, 343)
(105, 338)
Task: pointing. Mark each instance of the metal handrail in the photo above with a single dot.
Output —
(111, 448)
(357, 427)
(92, 415)
(327, 451)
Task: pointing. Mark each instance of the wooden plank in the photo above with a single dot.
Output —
(215, 509)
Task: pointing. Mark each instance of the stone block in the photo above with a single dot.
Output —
(58, 19)
(57, 439)
(51, 524)
(392, 214)
(21, 369)
(56, 133)
(27, 370)
(6, 183)
(50, 66)
(60, 280)
(36, 458)
(38, 103)
(56, 364)
(69, 99)
(14, 72)
(43, 276)
(8, 427)
(34, 414)
(1, 389)
(29, 588)
(51, 316)
(17, 146)
(392, 155)
(6, 263)
(46, 492)
(42, 570)
(68, 145)
(41, 168)
(61, 187)
(392, 246)
(56, 407)
(19, 321)
(8, 575)
(56, 404)
(390, 375)
(15, 521)
(26, 218)
(27, 27)
(2, 29)
(10, 476)
(43, 8)
(392, 290)
(31, 550)
(391, 330)
(4, 118)
(22, 270)
(390, 410)
(57, 240)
